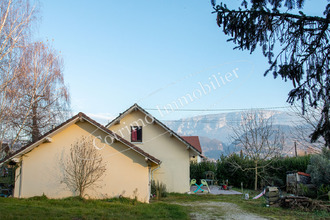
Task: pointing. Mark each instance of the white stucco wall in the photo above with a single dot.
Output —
(174, 170)
(127, 172)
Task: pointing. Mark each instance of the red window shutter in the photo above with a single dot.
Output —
(134, 134)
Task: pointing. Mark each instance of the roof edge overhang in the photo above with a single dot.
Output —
(79, 117)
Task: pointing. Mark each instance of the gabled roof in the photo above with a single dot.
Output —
(79, 117)
(137, 107)
(194, 141)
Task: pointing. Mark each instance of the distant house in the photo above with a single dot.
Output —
(194, 141)
(143, 130)
(128, 167)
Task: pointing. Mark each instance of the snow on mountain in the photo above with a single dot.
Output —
(215, 130)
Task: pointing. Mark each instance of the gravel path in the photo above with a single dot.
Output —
(215, 190)
(218, 210)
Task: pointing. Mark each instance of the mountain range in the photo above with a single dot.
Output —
(215, 130)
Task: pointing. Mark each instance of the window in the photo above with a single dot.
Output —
(136, 134)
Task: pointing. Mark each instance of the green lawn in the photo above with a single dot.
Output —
(75, 208)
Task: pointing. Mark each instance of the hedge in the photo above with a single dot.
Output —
(272, 174)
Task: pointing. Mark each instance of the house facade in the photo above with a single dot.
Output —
(41, 171)
(135, 146)
(143, 130)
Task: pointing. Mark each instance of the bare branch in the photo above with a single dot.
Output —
(258, 140)
(83, 167)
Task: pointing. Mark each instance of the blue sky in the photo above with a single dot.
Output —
(117, 53)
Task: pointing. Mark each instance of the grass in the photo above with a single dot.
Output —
(76, 208)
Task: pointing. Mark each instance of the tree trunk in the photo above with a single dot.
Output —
(35, 129)
(256, 175)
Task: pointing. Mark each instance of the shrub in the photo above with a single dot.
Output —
(272, 180)
(225, 171)
(280, 166)
(307, 190)
(273, 174)
(197, 170)
(319, 168)
(323, 192)
(158, 189)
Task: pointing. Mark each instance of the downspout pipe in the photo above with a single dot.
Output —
(151, 177)
(152, 172)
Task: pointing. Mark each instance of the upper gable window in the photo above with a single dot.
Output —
(136, 134)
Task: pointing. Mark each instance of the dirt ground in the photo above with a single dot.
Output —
(218, 210)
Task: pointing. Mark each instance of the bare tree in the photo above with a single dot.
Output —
(84, 166)
(16, 18)
(15, 21)
(258, 140)
(45, 99)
